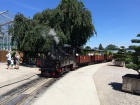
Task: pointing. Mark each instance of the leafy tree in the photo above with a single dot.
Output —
(48, 19)
(135, 56)
(70, 19)
(111, 47)
(88, 47)
(75, 21)
(31, 34)
(19, 30)
(101, 47)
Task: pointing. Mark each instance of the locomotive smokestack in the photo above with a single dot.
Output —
(53, 33)
(52, 50)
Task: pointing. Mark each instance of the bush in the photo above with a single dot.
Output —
(128, 60)
(120, 59)
(132, 66)
(135, 65)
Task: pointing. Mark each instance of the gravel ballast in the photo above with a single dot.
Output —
(108, 81)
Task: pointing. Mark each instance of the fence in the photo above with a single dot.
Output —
(3, 56)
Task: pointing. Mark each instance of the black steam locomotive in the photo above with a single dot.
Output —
(58, 61)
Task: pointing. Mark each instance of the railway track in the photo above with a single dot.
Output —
(20, 95)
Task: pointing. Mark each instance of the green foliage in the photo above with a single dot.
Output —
(70, 19)
(135, 59)
(135, 41)
(121, 55)
(101, 47)
(75, 21)
(132, 66)
(96, 53)
(19, 29)
(84, 52)
(88, 48)
(128, 60)
(111, 47)
(109, 53)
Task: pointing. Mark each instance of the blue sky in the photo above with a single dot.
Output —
(116, 21)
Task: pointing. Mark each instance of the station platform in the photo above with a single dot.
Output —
(10, 76)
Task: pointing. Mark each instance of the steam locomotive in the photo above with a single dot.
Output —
(61, 60)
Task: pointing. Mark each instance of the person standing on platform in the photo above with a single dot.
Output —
(12, 62)
(8, 59)
(17, 58)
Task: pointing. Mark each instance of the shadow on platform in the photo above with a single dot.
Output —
(116, 86)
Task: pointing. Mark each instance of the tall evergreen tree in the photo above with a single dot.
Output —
(101, 47)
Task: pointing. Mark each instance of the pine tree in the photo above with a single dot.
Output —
(135, 64)
(101, 47)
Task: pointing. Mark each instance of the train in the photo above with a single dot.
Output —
(64, 59)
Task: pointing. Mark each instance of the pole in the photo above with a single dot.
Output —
(3, 43)
(7, 42)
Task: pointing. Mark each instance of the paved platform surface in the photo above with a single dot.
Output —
(76, 88)
(9, 76)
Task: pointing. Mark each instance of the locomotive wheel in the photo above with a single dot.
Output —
(71, 67)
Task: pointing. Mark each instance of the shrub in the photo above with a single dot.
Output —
(135, 64)
(132, 66)
(121, 55)
(128, 60)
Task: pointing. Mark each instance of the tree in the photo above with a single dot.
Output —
(121, 55)
(20, 32)
(111, 47)
(75, 21)
(88, 48)
(71, 21)
(18, 29)
(101, 47)
(135, 56)
(48, 18)
(32, 34)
